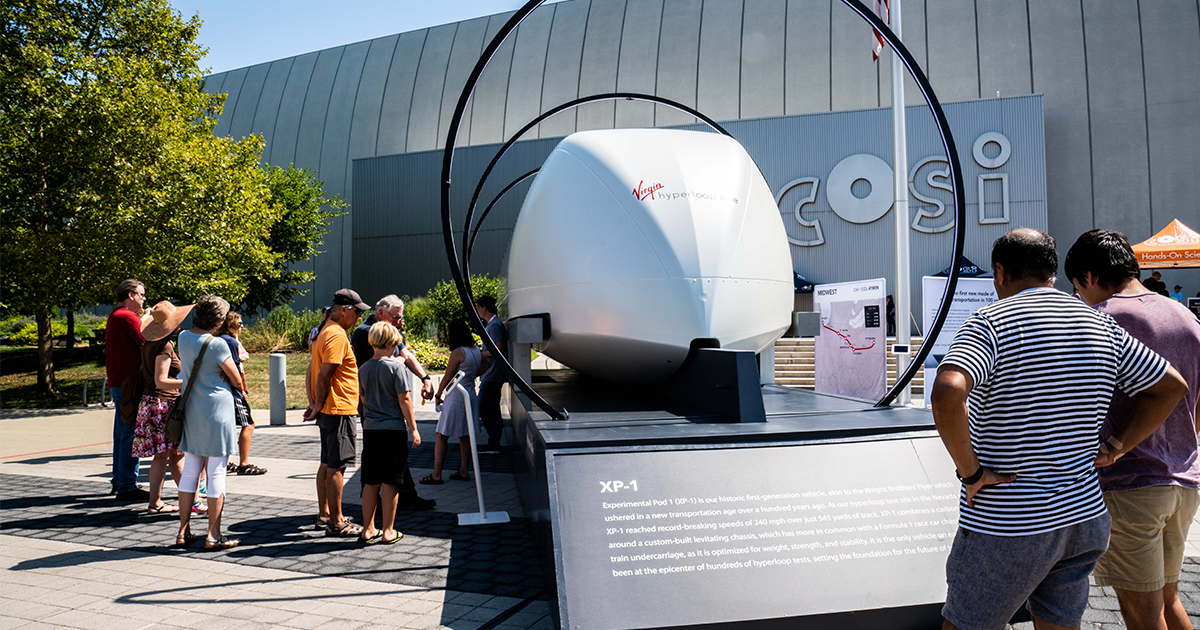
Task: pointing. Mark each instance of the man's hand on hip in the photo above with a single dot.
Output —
(989, 478)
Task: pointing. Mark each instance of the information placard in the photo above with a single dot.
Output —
(970, 295)
(851, 353)
(679, 537)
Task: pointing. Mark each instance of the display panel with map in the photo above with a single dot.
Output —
(851, 351)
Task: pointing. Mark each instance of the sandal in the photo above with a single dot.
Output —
(231, 468)
(250, 469)
(346, 530)
(165, 508)
(460, 477)
(371, 539)
(224, 542)
(185, 539)
(429, 480)
(392, 541)
(322, 522)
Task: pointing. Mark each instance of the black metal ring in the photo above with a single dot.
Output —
(483, 216)
(892, 41)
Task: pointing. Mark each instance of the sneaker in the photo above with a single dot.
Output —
(416, 503)
(137, 494)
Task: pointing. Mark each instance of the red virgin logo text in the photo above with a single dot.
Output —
(643, 191)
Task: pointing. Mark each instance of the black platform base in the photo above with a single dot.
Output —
(657, 513)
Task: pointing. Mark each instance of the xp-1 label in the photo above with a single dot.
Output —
(750, 533)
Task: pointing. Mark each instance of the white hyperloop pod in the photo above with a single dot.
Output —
(638, 241)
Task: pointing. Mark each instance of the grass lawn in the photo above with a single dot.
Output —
(18, 378)
(258, 377)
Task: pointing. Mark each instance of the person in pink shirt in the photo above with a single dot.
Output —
(123, 338)
(1152, 490)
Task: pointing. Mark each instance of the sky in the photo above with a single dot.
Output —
(248, 32)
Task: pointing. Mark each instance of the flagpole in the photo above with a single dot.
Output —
(900, 190)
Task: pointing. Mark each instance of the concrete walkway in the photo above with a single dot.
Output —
(71, 556)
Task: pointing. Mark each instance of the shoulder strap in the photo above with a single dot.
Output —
(195, 367)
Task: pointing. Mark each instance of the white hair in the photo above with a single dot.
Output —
(388, 301)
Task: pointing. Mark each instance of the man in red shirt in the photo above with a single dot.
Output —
(123, 336)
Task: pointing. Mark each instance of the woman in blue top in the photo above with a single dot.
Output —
(209, 433)
(229, 334)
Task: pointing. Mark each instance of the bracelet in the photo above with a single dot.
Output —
(973, 479)
(425, 378)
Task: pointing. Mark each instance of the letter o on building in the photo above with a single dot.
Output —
(842, 177)
(999, 160)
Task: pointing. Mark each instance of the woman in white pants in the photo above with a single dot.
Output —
(209, 431)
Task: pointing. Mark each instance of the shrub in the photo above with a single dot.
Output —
(447, 307)
(27, 336)
(13, 325)
(419, 320)
(261, 339)
(301, 324)
(279, 320)
(429, 354)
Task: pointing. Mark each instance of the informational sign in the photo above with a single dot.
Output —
(851, 351)
(970, 294)
(679, 537)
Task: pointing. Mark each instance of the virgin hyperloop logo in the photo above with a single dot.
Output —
(643, 192)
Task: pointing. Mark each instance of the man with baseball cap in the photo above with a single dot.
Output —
(333, 403)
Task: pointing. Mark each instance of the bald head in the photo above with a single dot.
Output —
(1026, 254)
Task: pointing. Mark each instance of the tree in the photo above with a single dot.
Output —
(304, 213)
(108, 168)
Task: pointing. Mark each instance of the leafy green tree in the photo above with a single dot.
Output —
(304, 213)
(446, 306)
(108, 168)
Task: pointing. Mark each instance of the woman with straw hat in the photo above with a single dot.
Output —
(160, 375)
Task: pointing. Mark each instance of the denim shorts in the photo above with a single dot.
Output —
(989, 577)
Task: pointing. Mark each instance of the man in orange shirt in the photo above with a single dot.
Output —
(333, 403)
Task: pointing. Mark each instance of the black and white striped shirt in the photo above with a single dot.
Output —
(1044, 367)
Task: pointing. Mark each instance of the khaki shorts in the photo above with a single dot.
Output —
(1149, 529)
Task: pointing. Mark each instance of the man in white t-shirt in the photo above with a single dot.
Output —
(1018, 402)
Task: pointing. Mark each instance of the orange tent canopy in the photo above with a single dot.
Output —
(1175, 246)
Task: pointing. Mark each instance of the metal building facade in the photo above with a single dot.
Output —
(398, 243)
(1120, 79)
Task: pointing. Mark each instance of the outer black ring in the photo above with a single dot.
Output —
(897, 46)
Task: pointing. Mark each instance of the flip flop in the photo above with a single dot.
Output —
(429, 480)
(165, 508)
(458, 477)
(367, 541)
(392, 541)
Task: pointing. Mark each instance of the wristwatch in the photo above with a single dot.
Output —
(973, 479)
(425, 378)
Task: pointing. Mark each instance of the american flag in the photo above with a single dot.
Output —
(881, 10)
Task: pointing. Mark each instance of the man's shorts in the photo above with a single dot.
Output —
(1149, 529)
(337, 440)
(989, 577)
(385, 457)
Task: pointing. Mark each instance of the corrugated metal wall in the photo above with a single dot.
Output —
(397, 222)
(1121, 80)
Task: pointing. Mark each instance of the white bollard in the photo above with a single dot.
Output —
(483, 517)
(278, 389)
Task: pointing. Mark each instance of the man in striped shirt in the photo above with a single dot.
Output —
(1152, 491)
(1018, 402)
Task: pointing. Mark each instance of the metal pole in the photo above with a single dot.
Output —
(483, 517)
(900, 190)
(278, 389)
